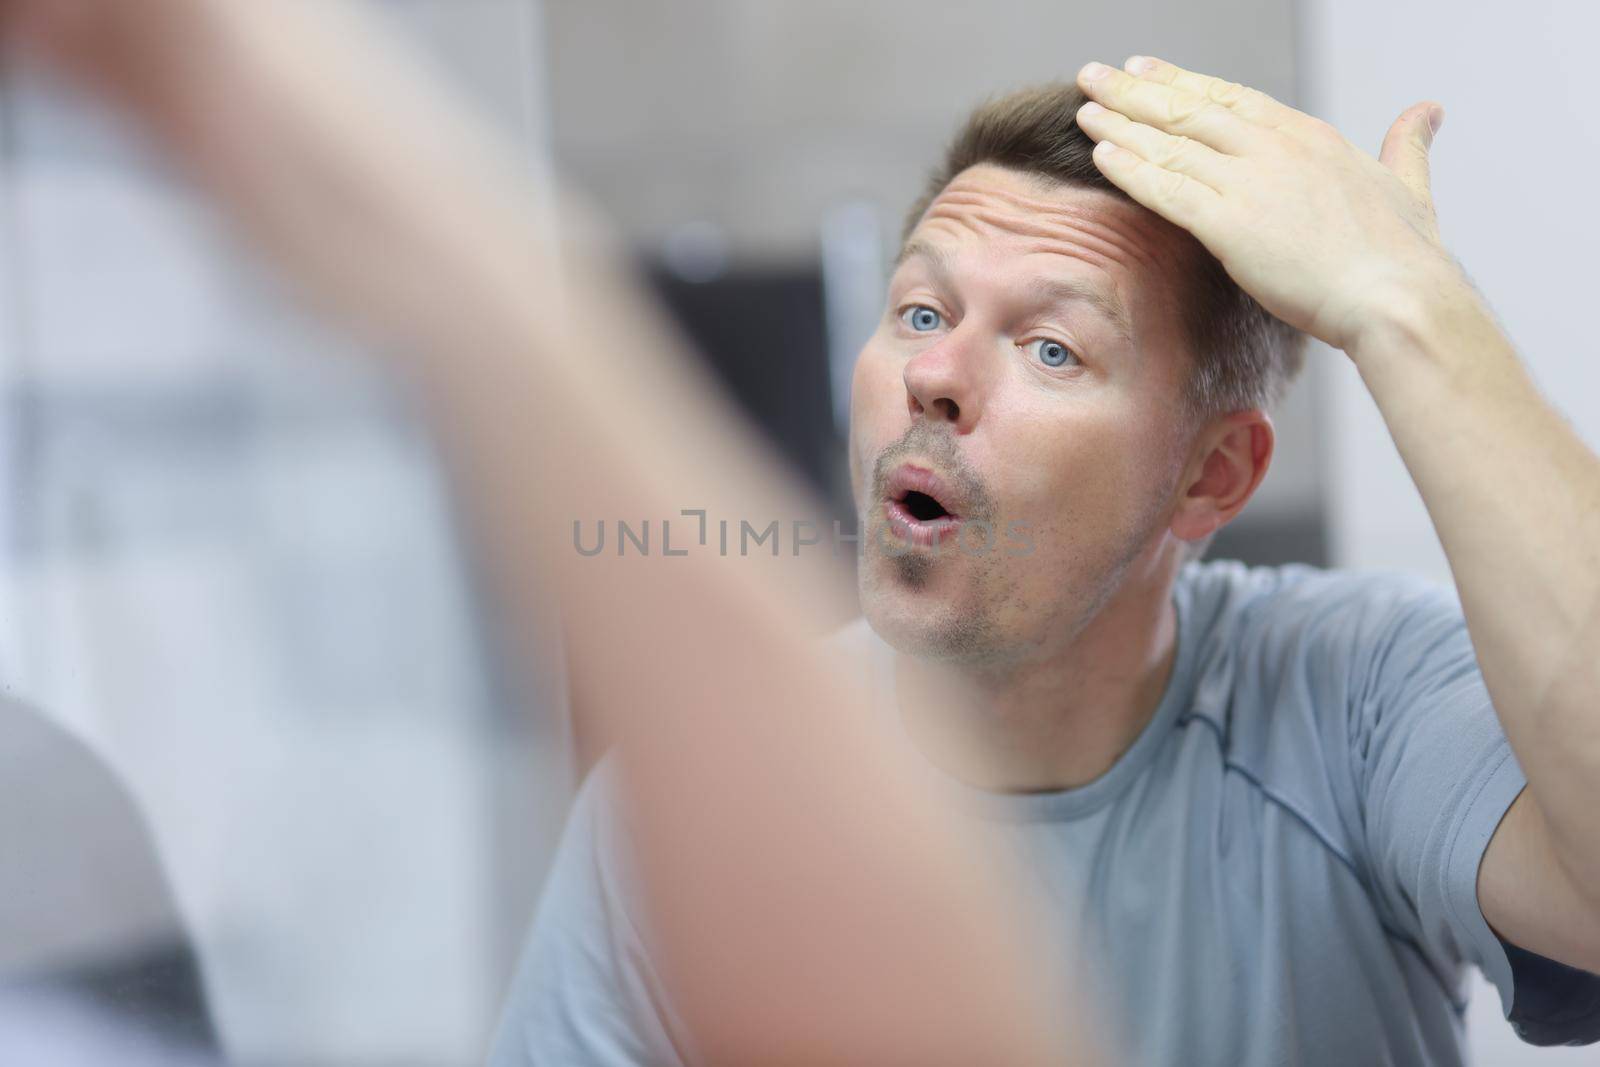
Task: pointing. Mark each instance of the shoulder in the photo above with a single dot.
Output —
(1301, 617)
(1287, 660)
(589, 890)
(1232, 594)
(586, 989)
(1305, 674)
(591, 840)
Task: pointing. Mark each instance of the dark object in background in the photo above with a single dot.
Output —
(765, 334)
(1269, 542)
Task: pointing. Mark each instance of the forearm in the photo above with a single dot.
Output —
(771, 812)
(1515, 497)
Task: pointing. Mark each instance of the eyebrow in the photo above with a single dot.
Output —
(1054, 291)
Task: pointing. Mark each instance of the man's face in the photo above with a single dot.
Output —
(1026, 378)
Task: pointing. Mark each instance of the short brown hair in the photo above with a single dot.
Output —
(1243, 356)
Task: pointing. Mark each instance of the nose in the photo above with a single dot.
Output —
(942, 384)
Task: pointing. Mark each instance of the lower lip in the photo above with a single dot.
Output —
(926, 533)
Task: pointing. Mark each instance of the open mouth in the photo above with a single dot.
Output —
(923, 507)
(920, 508)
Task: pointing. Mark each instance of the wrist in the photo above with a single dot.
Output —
(1413, 310)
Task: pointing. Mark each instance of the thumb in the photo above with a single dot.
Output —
(1405, 146)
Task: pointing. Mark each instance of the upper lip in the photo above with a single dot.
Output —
(910, 478)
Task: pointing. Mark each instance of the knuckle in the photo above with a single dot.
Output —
(1188, 112)
(1176, 150)
(1321, 132)
(1170, 185)
(1227, 93)
(1264, 102)
(1182, 109)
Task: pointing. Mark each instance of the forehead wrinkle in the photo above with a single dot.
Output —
(1102, 248)
(1140, 220)
(1053, 223)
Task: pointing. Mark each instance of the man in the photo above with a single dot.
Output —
(1280, 811)
(805, 908)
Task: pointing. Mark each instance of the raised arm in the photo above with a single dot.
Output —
(812, 903)
(1346, 247)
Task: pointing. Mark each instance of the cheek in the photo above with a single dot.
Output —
(1087, 471)
(877, 380)
(877, 407)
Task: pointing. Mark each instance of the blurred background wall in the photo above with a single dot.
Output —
(230, 563)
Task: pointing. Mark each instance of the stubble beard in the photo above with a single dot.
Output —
(984, 622)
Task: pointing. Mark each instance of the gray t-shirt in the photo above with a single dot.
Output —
(1281, 869)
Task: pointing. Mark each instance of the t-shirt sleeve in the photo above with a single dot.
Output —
(1436, 774)
(585, 994)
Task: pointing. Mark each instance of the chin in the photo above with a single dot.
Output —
(926, 621)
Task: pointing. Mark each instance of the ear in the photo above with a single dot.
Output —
(1230, 458)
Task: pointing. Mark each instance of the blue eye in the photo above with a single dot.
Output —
(921, 318)
(1053, 353)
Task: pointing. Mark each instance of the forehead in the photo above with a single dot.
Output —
(1022, 226)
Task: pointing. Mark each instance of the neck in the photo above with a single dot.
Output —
(1055, 722)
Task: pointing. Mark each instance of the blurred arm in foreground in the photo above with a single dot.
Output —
(810, 900)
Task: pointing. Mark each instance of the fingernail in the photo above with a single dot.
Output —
(1137, 65)
(1095, 71)
(1435, 118)
(1090, 110)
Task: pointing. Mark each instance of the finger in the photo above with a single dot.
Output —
(1178, 198)
(1248, 103)
(1178, 153)
(1406, 146)
(1169, 109)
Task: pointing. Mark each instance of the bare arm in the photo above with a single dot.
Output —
(1347, 248)
(1515, 497)
(813, 904)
